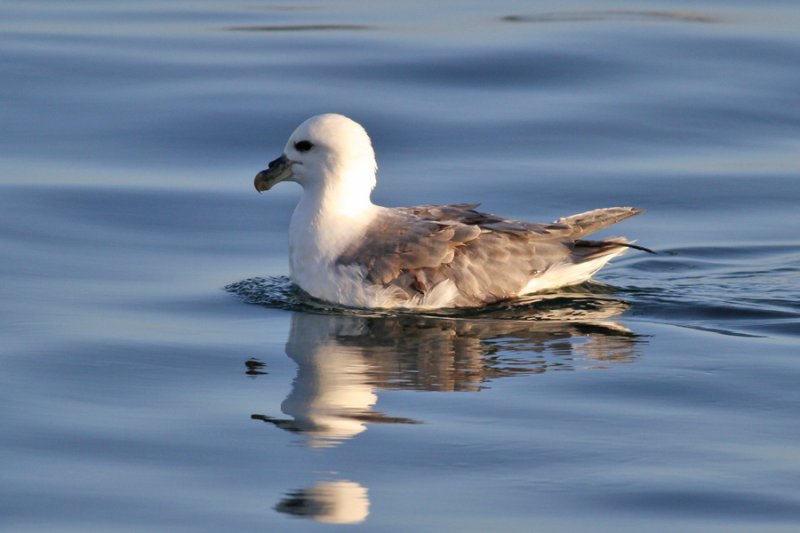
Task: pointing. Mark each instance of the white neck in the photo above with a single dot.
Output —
(331, 214)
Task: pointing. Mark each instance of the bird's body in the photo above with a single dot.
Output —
(346, 250)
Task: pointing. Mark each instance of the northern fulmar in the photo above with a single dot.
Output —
(345, 250)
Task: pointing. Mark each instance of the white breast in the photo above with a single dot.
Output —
(317, 237)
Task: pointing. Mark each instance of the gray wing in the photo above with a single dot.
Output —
(488, 258)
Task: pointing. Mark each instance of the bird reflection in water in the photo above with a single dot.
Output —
(329, 502)
(344, 360)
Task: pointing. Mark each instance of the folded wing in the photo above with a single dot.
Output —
(486, 258)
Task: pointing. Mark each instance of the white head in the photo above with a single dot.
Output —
(329, 153)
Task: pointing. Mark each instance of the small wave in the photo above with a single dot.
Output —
(613, 14)
(735, 290)
(300, 27)
(583, 303)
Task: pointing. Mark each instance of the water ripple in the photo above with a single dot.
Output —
(301, 27)
(614, 14)
(735, 290)
(584, 303)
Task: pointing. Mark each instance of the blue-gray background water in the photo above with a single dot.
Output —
(139, 394)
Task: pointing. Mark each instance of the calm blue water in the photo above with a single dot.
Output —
(137, 393)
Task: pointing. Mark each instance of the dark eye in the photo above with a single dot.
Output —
(303, 146)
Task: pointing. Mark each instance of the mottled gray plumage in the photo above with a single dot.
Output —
(488, 258)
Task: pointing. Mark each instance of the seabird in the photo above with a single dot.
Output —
(345, 250)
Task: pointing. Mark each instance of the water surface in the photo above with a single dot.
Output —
(139, 394)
